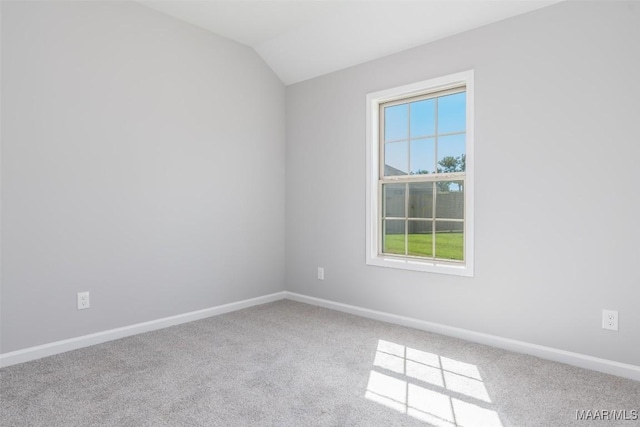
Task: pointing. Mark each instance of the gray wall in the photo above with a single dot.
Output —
(136, 150)
(557, 105)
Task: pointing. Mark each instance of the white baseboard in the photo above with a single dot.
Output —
(570, 358)
(40, 351)
(562, 356)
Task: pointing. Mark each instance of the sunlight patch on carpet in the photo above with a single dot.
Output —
(429, 387)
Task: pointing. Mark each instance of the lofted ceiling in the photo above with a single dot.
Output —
(302, 39)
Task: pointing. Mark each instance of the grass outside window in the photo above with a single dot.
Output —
(449, 245)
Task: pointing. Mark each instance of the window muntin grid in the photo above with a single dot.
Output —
(425, 150)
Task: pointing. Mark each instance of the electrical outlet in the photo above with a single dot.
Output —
(610, 320)
(83, 300)
(320, 273)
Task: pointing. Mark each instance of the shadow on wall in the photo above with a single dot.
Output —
(435, 389)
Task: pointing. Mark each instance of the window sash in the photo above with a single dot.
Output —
(406, 218)
(436, 135)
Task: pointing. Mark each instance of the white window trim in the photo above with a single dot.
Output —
(373, 160)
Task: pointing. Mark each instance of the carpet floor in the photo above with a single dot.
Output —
(292, 364)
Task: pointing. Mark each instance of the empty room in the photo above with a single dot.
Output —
(320, 213)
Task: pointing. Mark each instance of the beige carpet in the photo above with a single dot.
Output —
(291, 364)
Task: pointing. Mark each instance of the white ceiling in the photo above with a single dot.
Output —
(302, 39)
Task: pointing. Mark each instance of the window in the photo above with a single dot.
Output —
(420, 176)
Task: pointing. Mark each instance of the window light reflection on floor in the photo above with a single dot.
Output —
(435, 389)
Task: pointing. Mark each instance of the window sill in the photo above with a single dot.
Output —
(413, 264)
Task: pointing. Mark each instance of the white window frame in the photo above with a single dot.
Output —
(374, 211)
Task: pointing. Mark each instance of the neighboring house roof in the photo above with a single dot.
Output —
(390, 170)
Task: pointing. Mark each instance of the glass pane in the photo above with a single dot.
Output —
(451, 153)
(450, 199)
(423, 118)
(421, 200)
(396, 158)
(396, 122)
(423, 156)
(452, 113)
(394, 237)
(394, 201)
(449, 240)
(420, 238)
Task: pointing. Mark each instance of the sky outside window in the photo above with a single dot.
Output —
(411, 142)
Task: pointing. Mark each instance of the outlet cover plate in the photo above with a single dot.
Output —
(83, 300)
(610, 320)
